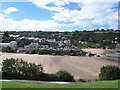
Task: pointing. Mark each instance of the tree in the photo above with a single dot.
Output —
(109, 72)
(19, 69)
(102, 30)
(6, 34)
(6, 38)
(23, 42)
(9, 65)
(65, 76)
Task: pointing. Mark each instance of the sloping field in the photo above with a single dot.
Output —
(80, 67)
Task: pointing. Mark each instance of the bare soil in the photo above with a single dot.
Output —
(99, 51)
(80, 67)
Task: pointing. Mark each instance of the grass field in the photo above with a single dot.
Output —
(94, 84)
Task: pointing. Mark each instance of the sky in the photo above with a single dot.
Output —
(58, 15)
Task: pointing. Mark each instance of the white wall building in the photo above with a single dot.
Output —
(4, 44)
(12, 44)
(32, 45)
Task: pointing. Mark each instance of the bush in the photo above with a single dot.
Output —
(81, 80)
(19, 69)
(65, 76)
(109, 72)
(8, 49)
(50, 77)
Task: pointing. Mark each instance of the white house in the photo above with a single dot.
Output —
(4, 44)
(118, 47)
(32, 45)
(15, 36)
(67, 41)
(12, 44)
(51, 40)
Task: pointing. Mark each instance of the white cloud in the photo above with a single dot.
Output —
(44, 4)
(7, 23)
(60, 3)
(93, 13)
(10, 10)
(54, 8)
(15, 0)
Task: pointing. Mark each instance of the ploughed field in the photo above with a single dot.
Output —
(81, 67)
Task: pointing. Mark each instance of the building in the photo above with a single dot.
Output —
(4, 44)
(32, 45)
(118, 47)
(12, 44)
(51, 40)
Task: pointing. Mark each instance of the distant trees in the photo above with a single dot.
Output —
(54, 52)
(8, 49)
(109, 72)
(6, 34)
(23, 42)
(97, 38)
(6, 38)
(19, 69)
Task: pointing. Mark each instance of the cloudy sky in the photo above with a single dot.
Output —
(58, 15)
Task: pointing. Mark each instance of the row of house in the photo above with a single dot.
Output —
(37, 39)
(46, 47)
(42, 40)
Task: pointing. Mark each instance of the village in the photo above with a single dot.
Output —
(41, 43)
(52, 44)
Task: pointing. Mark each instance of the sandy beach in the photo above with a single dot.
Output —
(80, 67)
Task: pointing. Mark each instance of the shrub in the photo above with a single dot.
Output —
(8, 49)
(65, 76)
(81, 80)
(50, 77)
(109, 72)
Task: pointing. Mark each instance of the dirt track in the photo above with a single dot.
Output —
(80, 67)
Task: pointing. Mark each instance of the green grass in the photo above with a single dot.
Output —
(94, 84)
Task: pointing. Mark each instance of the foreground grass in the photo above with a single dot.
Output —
(95, 84)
